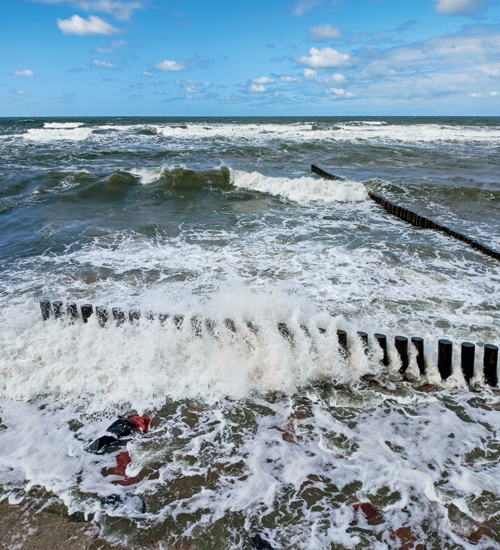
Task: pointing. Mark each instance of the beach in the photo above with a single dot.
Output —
(234, 267)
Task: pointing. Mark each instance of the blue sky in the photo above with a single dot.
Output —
(262, 58)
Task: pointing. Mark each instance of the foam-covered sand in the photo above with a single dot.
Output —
(24, 528)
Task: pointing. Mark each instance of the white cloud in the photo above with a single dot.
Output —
(192, 87)
(257, 88)
(493, 71)
(263, 80)
(25, 72)
(288, 79)
(338, 78)
(118, 43)
(326, 58)
(340, 92)
(309, 73)
(171, 66)
(119, 10)
(86, 27)
(303, 6)
(323, 33)
(459, 7)
(21, 92)
(145, 73)
(103, 64)
(493, 94)
(103, 51)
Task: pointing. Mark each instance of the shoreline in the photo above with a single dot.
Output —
(25, 528)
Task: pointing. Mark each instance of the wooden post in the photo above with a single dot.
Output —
(419, 345)
(285, 331)
(196, 324)
(342, 337)
(58, 310)
(102, 315)
(401, 343)
(162, 317)
(210, 326)
(72, 312)
(178, 320)
(445, 349)
(46, 308)
(490, 364)
(363, 336)
(382, 342)
(87, 311)
(467, 360)
(134, 316)
(118, 316)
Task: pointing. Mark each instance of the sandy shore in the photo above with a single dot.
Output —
(22, 528)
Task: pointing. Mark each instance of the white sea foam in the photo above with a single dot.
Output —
(365, 131)
(183, 135)
(242, 457)
(57, 134)
(301, 189)
(63, 124)
(147, 175)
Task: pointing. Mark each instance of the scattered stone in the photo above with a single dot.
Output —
(121, 428)
(407, 540)
(105, 445)
(141, 424)
(260, 544)
(130, 501)
(373, 516)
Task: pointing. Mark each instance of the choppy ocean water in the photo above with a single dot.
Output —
(251, 432)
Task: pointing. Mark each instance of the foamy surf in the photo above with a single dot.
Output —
(262, 429)
(58, 133)
(301, 189)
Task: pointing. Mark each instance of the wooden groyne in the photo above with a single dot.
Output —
(325, 175)
(416, 219)
(119, 317)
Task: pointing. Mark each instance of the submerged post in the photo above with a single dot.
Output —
(134, 316)
(467, 360)
(58, 310)
(445, 348)
(363, 336)
(179, 319)
(118, 316)
(342, 337)
(72, 312)
(490, 364)
(419, 345)
(162, 317)
(285, 331)
(46, 308)
(87, 311)
(382, 342)
(401, 343)
(196, 325)
(102, 315)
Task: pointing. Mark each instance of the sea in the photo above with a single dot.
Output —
(241, 265)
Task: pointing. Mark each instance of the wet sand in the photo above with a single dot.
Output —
(23, 528)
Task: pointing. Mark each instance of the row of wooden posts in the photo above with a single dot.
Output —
(416, 219)
(445, 347)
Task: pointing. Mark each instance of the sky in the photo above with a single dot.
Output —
(258, 58)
